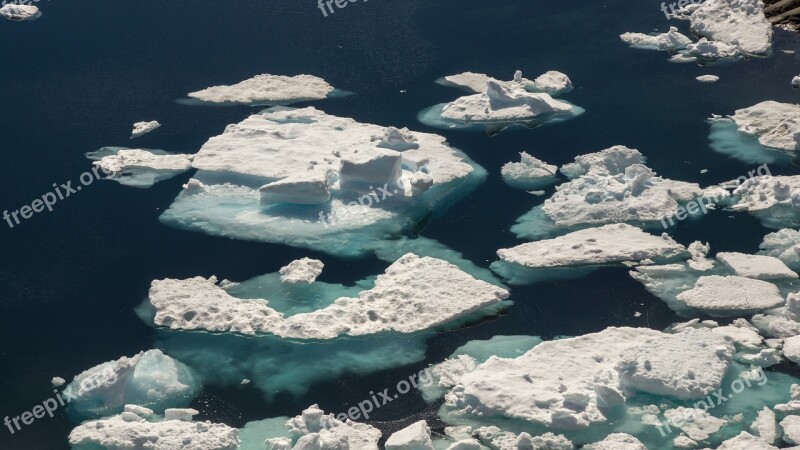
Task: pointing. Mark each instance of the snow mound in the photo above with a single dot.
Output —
(142, 128)
(266, 89)
(134, 429)
(670, 41)
(528, 174)
(150, 379)
(414, 294)
(302, 271)
(140, 168)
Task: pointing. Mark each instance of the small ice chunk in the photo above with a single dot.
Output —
(553, 82)
(707, 78)
(184, 414)
(416, 436)
(796, 82)
(19, 12)
(529, 173)
(302, 271)
(142, 128)
(670, 41)
(791, 429)
(58, 381)
(140, 168)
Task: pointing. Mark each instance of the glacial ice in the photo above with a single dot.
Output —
(501, 104)
(141, 168)
(294, 156)
(265, 89)
(576, 253)
(19, 12)
(137, 428)
(151, 379)
(142, 128)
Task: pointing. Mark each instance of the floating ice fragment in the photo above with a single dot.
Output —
(266, 90)
(142, 128)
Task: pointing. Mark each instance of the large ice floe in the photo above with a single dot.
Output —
(496, 105)
(308, 179)
(617, 389)
(580, 252)
(612, 186)
(728, 30)
(285, 336)
(768, 132)
(151, 379)
(264, 89)
(141, 168)
(19, 13)
(139, 428)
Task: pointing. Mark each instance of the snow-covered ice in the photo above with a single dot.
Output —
(416, 436)
(759, 267)
(736, 22)
(707, 78)
(19, 12)
(266, 89)
(670, 41)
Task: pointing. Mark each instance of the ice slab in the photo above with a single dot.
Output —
(759, 267)
(590, 248)
(416, 436)
(265, 89)
(142, 128)
(141, 168)
(670, 41)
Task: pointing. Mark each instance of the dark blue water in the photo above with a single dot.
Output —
(77, 78)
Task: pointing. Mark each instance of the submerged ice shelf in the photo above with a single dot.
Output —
(497, 105)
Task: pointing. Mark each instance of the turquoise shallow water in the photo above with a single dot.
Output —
(76, 79)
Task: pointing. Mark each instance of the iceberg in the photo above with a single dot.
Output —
(268, 179)
(772, 199)
(551, 82)
(302, 271)
(139, 428)
(737, 22)
(265, 89)
(150, 379)
(142, 128)
(528, 174)
(141, 168)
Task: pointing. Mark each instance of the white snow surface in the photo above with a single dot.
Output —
(267, 89)
(612, 243)
(413, 294)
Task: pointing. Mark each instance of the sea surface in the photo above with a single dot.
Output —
(78, 77)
